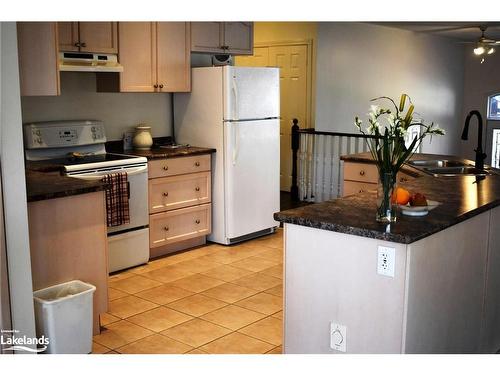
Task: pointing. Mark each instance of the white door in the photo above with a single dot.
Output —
(251, 160)
(251, 93)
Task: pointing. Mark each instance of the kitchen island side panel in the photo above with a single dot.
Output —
(445, 289)
(332, 277)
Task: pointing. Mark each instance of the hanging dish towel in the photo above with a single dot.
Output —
(117, 197)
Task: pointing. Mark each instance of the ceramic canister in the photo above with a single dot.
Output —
(142, 138)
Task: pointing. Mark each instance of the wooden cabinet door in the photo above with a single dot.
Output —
(173, 56)
(68, 36)
(238, 37)
(137, 54)
(207, 37)
(98, 37)
(38, 62)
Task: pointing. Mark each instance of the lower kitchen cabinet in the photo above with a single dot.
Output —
(180, 208)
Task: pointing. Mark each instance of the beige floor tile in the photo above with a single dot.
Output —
(263, 303)
(155, 344)
(233, 317)
(269, 330)
(108, 319)
(164, 294)
(196, 351)
(128, 306)
(258, 281)
(254, 263)
(275, 255)
(196, 305)
(115, 294)
(154, 265)
(121, 333)
(275, 290)
(99, 349)
(167, 274)
(159, 319)
(197, 265)
(197, 283)
(120, 275)
(277, 350)
(134, 284)
(229, 293)
(237, 343)
(196, 332)
(275, 271)
(227, 273)
(278, 315)
(227, 255)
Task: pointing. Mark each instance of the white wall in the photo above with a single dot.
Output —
(481, 80)
(119, 111)
(357, 62)
(13, 185)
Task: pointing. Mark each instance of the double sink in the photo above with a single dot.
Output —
(447, 168)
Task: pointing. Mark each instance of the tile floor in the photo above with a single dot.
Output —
(212, 299)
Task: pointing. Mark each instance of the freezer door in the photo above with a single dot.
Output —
(251, 93)
(251, 159)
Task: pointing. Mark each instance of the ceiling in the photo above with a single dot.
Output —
(461, 31)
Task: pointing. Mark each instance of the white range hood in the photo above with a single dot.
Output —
(88, 62)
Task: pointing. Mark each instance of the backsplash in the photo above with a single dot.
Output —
(119, 111)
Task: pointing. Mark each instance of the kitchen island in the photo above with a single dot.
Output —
(439, 292)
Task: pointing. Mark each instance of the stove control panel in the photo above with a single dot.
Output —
(56, 134)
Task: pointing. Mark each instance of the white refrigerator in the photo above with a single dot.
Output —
(236, 111)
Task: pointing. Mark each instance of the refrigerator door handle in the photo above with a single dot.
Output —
(235, 103)
(234, 130)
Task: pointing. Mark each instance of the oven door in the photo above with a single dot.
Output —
(138, 204)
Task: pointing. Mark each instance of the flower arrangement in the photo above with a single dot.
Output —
(386, 141)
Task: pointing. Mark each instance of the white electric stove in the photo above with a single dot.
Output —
(79, 147)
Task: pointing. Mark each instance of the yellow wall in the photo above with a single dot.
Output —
(289, 32)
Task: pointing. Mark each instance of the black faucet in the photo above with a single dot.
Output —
(480, 155)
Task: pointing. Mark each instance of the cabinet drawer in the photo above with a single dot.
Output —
(354, 187)
(181, 165)
(168, 193)
(178, 225)
(362, 172)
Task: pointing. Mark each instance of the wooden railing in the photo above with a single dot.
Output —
(316, 164)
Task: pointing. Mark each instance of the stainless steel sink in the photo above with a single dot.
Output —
(456, 171)
(436, 163)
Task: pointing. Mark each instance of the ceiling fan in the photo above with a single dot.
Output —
(484, 46)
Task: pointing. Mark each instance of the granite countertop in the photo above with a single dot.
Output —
(461, 198)
(48, 183)
(167, 153)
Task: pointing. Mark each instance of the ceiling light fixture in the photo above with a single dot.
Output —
(478, 51)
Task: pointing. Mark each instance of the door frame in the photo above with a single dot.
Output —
(309, 71)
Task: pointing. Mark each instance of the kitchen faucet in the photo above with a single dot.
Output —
(480, 155)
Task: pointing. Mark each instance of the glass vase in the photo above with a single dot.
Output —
(386, 208)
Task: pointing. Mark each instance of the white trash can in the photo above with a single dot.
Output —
(64, 314)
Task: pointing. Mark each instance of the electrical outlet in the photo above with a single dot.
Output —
(386, 260)
(338, 337)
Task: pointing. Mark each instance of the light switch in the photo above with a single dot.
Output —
(338, 337)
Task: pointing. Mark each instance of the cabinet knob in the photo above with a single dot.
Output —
(197, 164)
(165, 194)
(361, 172)
(166, 228)
(224, 47)
(161, 86)
(165, 168)
(155, 86)
(197, 221)
(77, 44)
(197, 188)
(403, 179)
(84, 44)
(361, 191)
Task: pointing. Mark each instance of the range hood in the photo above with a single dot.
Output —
(88, 62)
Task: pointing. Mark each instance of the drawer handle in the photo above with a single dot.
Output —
(197, 164)
(361, 191)
(165, 194)
(165, 168)
(166, 229)
(197, 189)
(197, 221)
(361, 173)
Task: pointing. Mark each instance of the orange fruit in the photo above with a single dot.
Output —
(401, 196)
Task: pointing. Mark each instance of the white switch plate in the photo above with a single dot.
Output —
(338, 337)
(386, 259)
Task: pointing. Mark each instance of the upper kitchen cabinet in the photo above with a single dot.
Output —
(96, 37)
(155, 57)
(38, 65)
(235, 38)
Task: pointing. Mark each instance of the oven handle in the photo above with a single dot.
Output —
(93, 177)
